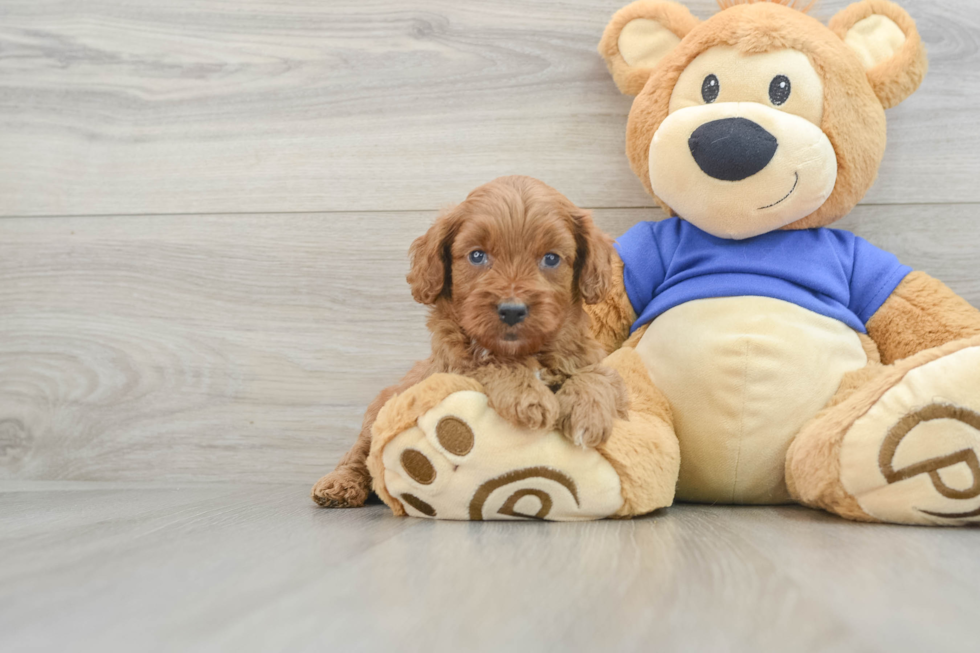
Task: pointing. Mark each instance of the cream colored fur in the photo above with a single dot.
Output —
(814, 462)
(744, 400)
(743, 375)
(797, 182)
(854, 97)
(631, 474)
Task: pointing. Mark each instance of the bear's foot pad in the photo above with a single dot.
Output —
(914, 456)
(462, 461)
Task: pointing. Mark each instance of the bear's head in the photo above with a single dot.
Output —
(760, 117)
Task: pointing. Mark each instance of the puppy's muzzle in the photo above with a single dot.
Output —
(512, 313)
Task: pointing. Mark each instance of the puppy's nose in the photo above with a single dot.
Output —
(732, 149)
(511, 314)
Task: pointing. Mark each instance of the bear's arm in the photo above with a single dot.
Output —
(612, 317)
(921, 313)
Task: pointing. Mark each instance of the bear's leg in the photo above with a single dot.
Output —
(439, 451)
(644, 449)
(898, 443)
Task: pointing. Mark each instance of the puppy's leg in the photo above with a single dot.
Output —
(590, 401)
(349, 485)
(518, 396)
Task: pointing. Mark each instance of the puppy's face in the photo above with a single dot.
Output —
(512, 260)
(512, 276)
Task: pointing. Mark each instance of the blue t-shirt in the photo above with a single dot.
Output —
(827, 271)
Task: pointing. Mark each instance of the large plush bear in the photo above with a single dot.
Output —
(769, 358)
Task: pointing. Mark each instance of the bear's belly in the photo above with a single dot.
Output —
(743, 375)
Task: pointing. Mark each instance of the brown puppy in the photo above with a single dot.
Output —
(506, 273)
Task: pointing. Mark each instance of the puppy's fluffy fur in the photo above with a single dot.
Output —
(540, 373)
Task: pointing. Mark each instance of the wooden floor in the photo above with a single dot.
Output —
(205, 208)
(247, 568)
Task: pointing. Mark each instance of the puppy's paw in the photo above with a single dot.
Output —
(590, 403)
(342, 488)
(585, 422)
(538, 410)
(533, 407)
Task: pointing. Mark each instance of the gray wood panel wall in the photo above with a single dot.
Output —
(205, 206)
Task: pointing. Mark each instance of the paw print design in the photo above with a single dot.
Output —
(463, 461)
(912, 457)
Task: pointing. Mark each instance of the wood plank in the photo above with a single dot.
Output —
(246, 568)
(211, 106)
(245, 348)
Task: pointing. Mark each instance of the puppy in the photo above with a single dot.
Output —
(506, 274)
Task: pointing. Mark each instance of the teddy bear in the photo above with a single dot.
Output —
(769, 358)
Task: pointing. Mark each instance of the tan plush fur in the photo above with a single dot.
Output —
(516, 220)
(643, 394)
(921, 313)
(644, 450)
(404, 409)
(541, 372)
(853, 117)
(870, 348)
(899, 77)
(612, 317)
(634, 339)
(854, 101)
(813, 460)
(801, 5)
(675, 17)
(400, 414)
(922, 320)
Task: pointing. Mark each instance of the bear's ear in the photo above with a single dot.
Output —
(886, 41)
(638, 37)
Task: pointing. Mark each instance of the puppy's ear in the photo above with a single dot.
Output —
(593, 264)
(431, 273)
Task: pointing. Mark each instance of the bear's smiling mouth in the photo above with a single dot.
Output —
(791, 190)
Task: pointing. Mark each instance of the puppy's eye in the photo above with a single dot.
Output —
(551, 260)
(477, 257)
(710, 88)
(779, 89)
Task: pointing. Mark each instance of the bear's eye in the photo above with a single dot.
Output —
(478, 257)
(550, 260)
(710, 89)
(779, 89)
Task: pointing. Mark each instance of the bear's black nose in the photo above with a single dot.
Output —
(732, 149)
(511, 314)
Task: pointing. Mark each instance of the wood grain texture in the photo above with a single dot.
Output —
(217, 106)
(245, 568)
(245, 348)
(305, 144)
